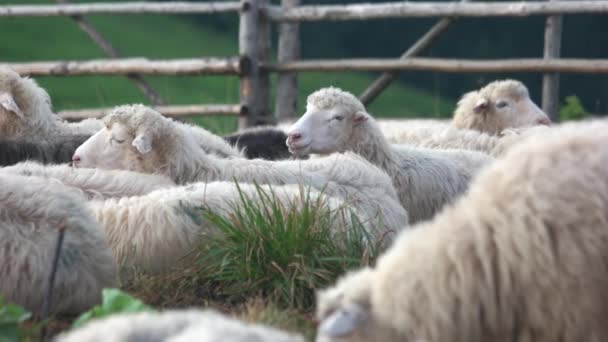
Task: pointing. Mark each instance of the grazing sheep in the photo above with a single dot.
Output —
(93, 183)
(522, 257)
(57, 151)
(497, 106)
(264, 142)
(176, 326)
(140, 139)
(25, 111)
(426, 179)
(156, 231)
(32, 211)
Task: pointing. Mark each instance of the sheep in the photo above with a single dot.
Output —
(186, 325)
(32, 211)
(425, 179)
(140, 139)
(26, 110)
(499, 105)
(157, 231)
(523, 256)
(93, 183)
(265, 142)
(57, 151)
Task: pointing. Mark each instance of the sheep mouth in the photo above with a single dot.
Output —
(299, 150)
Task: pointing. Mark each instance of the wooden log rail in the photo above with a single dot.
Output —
(446, 65)
(198, 66)
(172, 111)
(119, 8)
(434, 9)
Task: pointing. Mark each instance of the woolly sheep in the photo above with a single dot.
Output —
(25, 111)
(145, 141)
(264, 142)
(425, 179)
(156, 231)
(57, 151)
(93, 183)
(188, 325)
(499, 105)
(523, 256)
(32, 211)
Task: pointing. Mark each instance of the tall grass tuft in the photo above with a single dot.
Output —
(283, 251)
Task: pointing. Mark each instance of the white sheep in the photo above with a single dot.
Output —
(499, 105)
(140, 139)
(93, 183)
(522, 256)
(189, 325)
(156, 231)
(426, 179)
(26, 112)
(32, 211)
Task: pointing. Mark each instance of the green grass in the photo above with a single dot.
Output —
(283, 251)
(155, 36)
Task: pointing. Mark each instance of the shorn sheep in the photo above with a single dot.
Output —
(264, 142)
(57, 151)
(32, 211)
(425, 179)
(175, 326)
(93, 183)
(142, 140)
(497, 106)
(155, 232)
(523, 256)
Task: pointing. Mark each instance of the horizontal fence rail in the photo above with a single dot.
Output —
(119, 8)
(174, 111)
(446, 65)
(198, 66)
(424, 9)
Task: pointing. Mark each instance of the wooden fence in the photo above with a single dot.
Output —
(253, 64)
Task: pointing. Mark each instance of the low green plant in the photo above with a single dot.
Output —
(283, 251)
(11, 319)
(572, 110)
(114, 301)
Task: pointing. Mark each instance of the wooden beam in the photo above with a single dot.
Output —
(286, 102)
(172, 111)
(408, 9)
(447, 65)
(198, 66)
(552, 49)
(119, 8)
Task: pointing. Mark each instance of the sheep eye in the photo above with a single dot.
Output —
(338, 117)
(501, 104)
(116, 140)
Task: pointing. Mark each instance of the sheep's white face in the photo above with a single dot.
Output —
(509, 112)
(322, 131)
(107, 149)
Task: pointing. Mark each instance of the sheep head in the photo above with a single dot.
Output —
(134, 138)
(331, 117)
(498, 106)
(24, 106)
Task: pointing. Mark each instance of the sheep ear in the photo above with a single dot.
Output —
(481, 105)
(8, 102)
(360, 117)
(342, 322)
(142, 143)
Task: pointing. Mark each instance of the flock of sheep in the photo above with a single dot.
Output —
(496, 222)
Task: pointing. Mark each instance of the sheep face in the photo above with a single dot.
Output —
(498, 106)
(331, 117)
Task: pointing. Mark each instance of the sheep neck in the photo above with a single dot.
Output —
(368, 141)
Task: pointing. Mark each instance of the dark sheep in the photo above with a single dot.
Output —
(264, 142)
(59, 150)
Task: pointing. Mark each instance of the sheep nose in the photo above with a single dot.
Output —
(544, 121)
(75, 159)
(295, 136)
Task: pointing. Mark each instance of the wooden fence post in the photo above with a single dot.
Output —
(286, 102)
(553, 39)
(254, 47)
